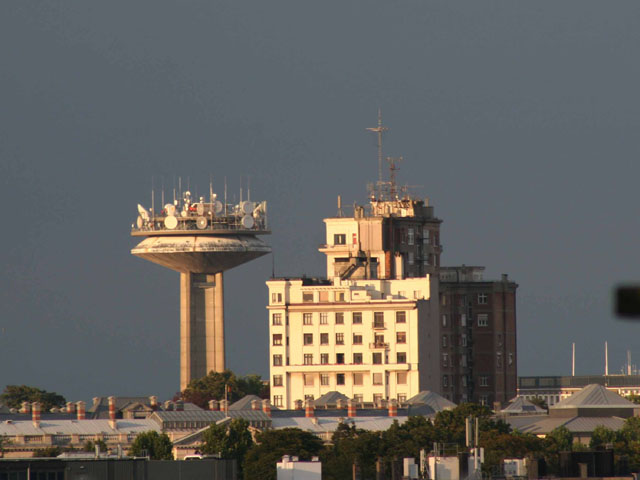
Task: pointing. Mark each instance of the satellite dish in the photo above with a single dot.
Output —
(170, 209)
(143, 212)
(218, 206)
(170, 222)
(246, 207)
(139, 222)
(201, 223)
(247, 221)
(200, 209)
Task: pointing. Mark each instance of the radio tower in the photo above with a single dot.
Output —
(201, 239)
(379, 130)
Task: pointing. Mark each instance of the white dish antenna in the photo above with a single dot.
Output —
(170, 222)
(247, 222)
(218, 206)
(170, 209)
(143, 212)
(247, 207)
(201, 223)
(139, 221)
(200, 209)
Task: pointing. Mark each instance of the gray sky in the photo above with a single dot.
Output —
(518, 120)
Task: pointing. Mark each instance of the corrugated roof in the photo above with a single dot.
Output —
(330, 398)
(245, 403)
(432, 399)
(543, 425)
(521, 405)
(80, 427)
(594, 396)
(330, 424)
(209, 416)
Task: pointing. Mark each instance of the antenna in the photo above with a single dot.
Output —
(162, 203)
(393, 168)
(628, 362)
(225, 196)
(248, 188)
(379, 130)
(606, 359)
(573, 360)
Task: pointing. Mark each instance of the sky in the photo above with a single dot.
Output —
(518, 120)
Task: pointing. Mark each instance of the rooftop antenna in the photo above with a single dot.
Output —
(174, 189)
(340, 206)
(162, 203)
(393, 168)
(606, 359)
(240, 189)
(628, 362)
(225, 196)
(248, 188)
(152, 197)
(379, 130)
(573, 359)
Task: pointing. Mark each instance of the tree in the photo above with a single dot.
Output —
(211, 386)
(601, 436)
(155, 445)
(560, 438)
(350, 445)
(499, 445)
(271, 445)
(90, 446)
(14, 395)
(231, 441)
(4, 441)
(539, 402)
(634, 398)
(47, 452)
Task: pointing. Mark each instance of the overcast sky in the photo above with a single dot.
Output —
(519, 120)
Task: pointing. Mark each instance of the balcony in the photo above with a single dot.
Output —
(378, 345)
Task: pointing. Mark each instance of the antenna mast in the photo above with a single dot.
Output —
(379, 130)
(393, 168)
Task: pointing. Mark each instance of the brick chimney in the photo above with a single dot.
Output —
(351, 408)
(179, 406)
(71, 407)
(153, 402)
(80, 410)
(214, 406)
(298, 404)
(255, 405)
(25, 408)
(35, 414)
(112, 412)
(224, 405)
(393, 408)
(266, 406)
(309, 409)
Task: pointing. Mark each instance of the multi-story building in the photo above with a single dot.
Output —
(478, 336)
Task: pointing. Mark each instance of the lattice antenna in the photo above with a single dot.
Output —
(379, 130)
(393, 168)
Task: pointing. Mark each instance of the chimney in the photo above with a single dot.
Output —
(339, 404)
(266, 406)
(351, 408)
(214, 406)
(298, 404)
(35, 414)
(153, 402)
(224, 405)
(112, 412)
(382, 404)
(308, 409)
(168, 405)
(180, 406)
(393, 408)
(80, 410)
(71, 407)
(255, 405)
(26, 407)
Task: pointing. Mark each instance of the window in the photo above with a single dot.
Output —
(484, 399)
(411, 236)
(324, 318)
(445, 360)
(378, 340)
(402, 399)
(499, 359)
(378, 319)
(401, 357)
(463, 339)
(276, 298)
(339, 338)
(482, 298)
(324, 359)
(340, 358)
(308, 358)
(358, 398)
(401, 317)
(340, 379)
(358, 379)
(339, 318)
(484, 381)
(445, 380)
(277, 380)
(483, 319)
(499, 339)
(377, 398)
(464, 380)
(324, 339)
(443, 300)
(277, 400)
(444, 341)
(444, 320)
(339, 296)
(377, 358)
(357, 317)
(324, 379)
(277, 360)
(357, 358)
(463, 320)
(307, 318)
(401, 378)
(510, 359)
(377, 378)
(308, 380)
(410, 259)
(357, 339)
(308, 397)
(277, 339)
(401, 337)
(308, 338)
(339, 239)
(307, 297)
(276, 319)
(323, 296)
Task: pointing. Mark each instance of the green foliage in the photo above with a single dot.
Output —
(156, 445)
(601, 436)
(4, 441)
(560, 439)
(539, 402)
(499, 445)
(260, 461)
(350, 445)
(48, 452)
(211, 386)
(14, 395)
(450, 424)
(90, 446)
(231, 441)
(634, 398)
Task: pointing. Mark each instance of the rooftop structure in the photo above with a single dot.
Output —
(201, 238)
